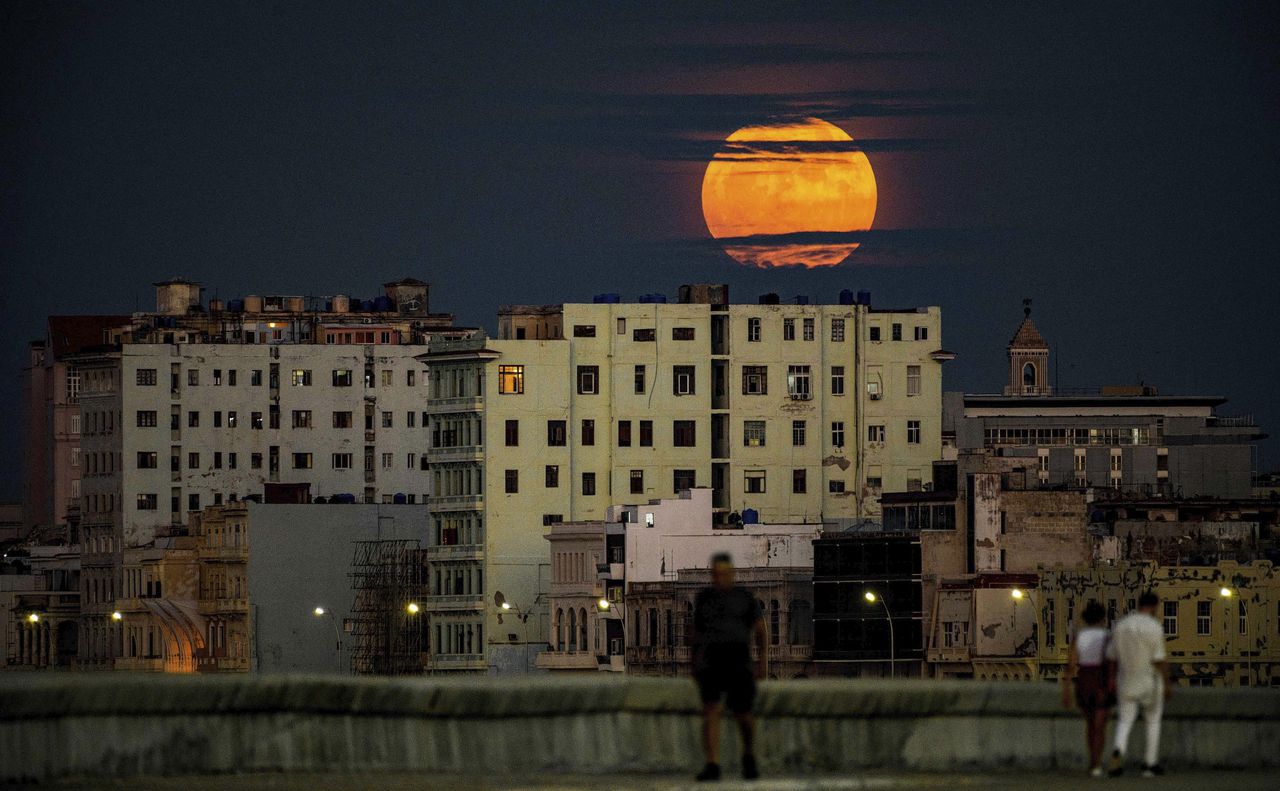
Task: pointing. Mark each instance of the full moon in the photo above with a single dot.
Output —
(777, 188)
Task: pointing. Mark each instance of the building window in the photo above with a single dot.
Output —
(647, 334)
(343, 378)
(255, 420)
(755, 380)
(1171, 619)
(685, 433)
(302, 461)
(147, 502)
(556, 433)
(301, 377)
(913, 432)
(409, 380)
(837, 330)
(798, 382)
(588, 483)
(682, 379)
(622, 326)
(788, 329)
(513, 433)
(897, 332)
(302, 418)
(797, 433)
(798, 484)
(684, 479)
(340, 419)
(146, 419)
(552, 476)
(513, 481)
(624, 433)
(682, 333)
(146, 460)
(255, 461)
(386, 378)
(232, 420)
(193, 377)
(835, 487)
(922, 333)
(837, 380)
(637, 481)
(873, 333)
(1242, 611)
(386, 461)
(511, 379)
(753, 481)
(193, 420)
(341, 461)
(588, 379)
(588, 432)
(808, 329)
(255, 377)
(913, 380)
(146, 377)
(646, 433)
(639, 379)
(837, 433)
(1204, 613)
(584, 330)
(753, 433)
(753, 330)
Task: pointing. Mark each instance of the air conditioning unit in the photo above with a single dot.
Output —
(615, 646)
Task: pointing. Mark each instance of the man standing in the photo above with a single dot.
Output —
(1141, 677)
(725, 620)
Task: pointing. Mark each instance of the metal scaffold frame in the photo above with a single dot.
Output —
(387, 577)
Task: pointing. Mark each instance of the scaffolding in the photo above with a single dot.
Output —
(387, 576)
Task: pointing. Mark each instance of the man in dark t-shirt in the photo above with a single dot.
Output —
(726, 619)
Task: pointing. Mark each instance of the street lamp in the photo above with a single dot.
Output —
(1228, 593)
(34, 617)
(117, 616)
(603, 604)
(412, 608)
(321, 612)
(872, 598)
(1018, 595)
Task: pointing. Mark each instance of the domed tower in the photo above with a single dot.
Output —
(1028, 359)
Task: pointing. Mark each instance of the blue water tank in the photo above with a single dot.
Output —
(347, 499)
(384, 304)
(366, 305)
(750, 516)
(607, 299)
(864, 298)
(399, 499)
(802, 299)
(236, 306)
(846, 297)
(653, 298)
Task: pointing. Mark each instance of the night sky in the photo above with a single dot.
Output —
(1117, 165)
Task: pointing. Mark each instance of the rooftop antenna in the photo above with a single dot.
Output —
(1026, 307)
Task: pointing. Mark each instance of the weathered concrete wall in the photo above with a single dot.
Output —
(120, 725)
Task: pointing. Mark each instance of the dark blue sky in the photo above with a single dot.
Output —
(1118, 165)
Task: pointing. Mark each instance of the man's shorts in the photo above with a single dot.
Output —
(725, 672)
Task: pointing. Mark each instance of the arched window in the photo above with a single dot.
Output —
(582, 630)
(1029, 375)
(557, 629)
(775, 622)
(573, 629)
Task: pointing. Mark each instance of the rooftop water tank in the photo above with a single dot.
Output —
(294, 304)
(802, 299)
(750, 516)
(235, 305)
(253, 304)
(383, 304)
(769, 299)
(399, 499)
(366, 305)
(607, 299)
(846, 297)
(864, 298)
(653, 298)
(341, 303)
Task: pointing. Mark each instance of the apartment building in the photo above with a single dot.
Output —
(788, 412)
(263, 398)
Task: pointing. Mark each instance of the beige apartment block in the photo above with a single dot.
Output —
(787, 412)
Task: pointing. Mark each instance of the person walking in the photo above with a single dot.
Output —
(1140, 675)
(726, 619)
(1087, 666)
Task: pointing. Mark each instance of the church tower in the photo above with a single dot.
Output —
(1028, 359)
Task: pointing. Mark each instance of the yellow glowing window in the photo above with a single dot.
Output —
(510, 378)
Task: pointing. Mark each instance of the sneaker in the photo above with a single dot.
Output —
(1153, 770)
(749, 770)
(709, 772)
(1096, 771)
(1117, 764)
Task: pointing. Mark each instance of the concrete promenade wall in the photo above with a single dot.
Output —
(59, 724)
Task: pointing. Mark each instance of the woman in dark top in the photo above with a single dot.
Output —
(1087, 664)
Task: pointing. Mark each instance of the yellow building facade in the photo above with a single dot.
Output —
(796, 412)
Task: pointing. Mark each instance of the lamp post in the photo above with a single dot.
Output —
(1227, 594)
(872, 598)
(524, 621)
(321, 612)
(1018, 595)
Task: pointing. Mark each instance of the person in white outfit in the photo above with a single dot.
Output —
(1141, 676)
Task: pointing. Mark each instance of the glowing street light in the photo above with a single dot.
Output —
(506, 605)
(412, 608)
(872, 598)
(869, 596)
(603, 604)
(1017, 593)
(117, 616)
(1225, 593)
(319, 611)
(34, 617)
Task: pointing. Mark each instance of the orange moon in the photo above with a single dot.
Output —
(776, 189)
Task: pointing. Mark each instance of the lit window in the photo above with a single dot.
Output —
(753, 481)
(511, 379)
(753, 433)
(913, 380)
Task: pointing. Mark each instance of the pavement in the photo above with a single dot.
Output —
(1225, 780)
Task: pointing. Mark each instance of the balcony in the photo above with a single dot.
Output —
(223, 606)
(567, 660)
(440, 406)
(225, 552)
(790, 653)
(456, 662)
(465, 601)
(458, 502)
(456, 552)
(455, 454)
